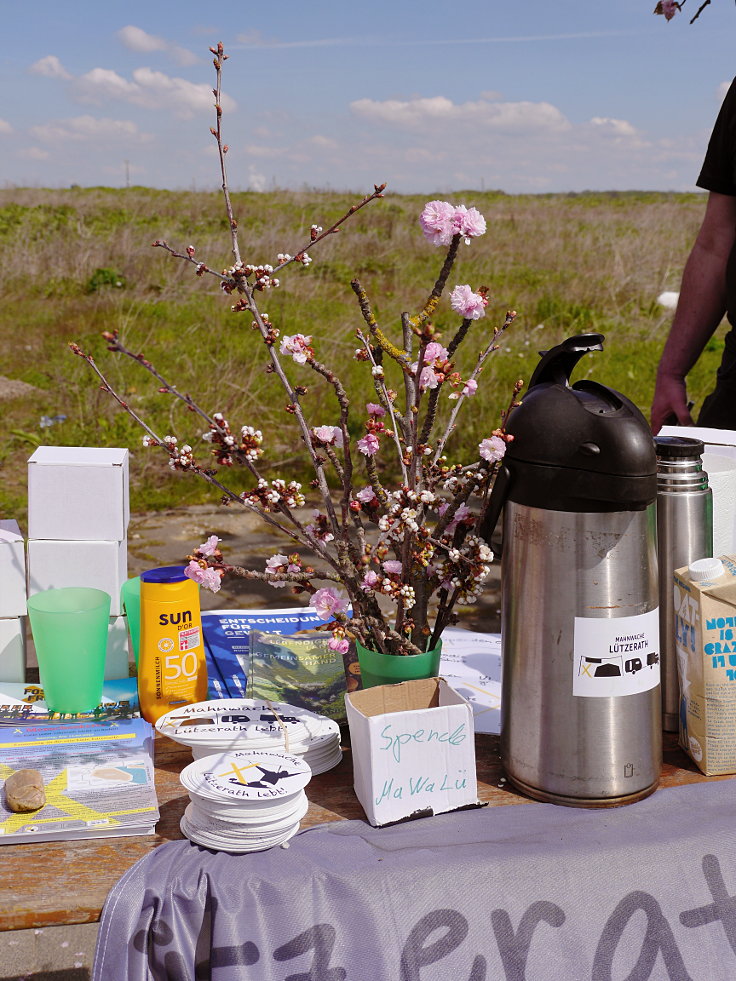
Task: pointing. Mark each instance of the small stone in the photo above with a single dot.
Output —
(24, 791)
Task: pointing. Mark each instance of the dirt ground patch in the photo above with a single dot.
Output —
(13, 388)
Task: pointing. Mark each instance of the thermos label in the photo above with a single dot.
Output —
(618, 656)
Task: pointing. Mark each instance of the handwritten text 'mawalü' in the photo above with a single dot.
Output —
(394, 740)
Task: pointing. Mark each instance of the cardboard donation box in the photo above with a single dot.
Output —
(13, 649)
(12, 570)
(413, 750)
(100, 565)
(705, 637)
(78, 493)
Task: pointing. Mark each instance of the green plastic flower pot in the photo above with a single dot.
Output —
(390, 669)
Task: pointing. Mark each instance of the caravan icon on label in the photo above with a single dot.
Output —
(615, 657)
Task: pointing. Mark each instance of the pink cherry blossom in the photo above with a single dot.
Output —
(277, 563)
(209, 578)
(392, 566)
(437, 221)
(320, 527)
(470, 305)
(462, 513)
(375, 410)
(210, 546)
(328, 601)
(470, 387)
(366, 495)
(369, 444)
(434, 352)
(469, 222)
(297, 346)
(339, 644)
(668, 7)
(370, 580)
(428, 379)
(492, 448)
(331, 435)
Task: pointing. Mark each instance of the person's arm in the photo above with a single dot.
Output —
(700, 309)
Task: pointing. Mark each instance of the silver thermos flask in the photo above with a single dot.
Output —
(580, 705)
(684, 534)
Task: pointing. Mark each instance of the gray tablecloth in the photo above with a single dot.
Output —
(532, 892)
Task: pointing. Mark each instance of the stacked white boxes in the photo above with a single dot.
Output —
(12, 603)
(78, 513)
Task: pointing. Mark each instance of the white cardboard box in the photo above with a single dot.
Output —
(78, 493)
(12, 571)
(413, 750)
(102, 565)
(13, 649)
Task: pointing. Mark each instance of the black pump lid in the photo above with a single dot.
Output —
(678, 447)
(580, 447)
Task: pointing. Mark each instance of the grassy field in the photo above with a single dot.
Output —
(79, 261)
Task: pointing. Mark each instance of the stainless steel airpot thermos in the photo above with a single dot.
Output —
(580, 710)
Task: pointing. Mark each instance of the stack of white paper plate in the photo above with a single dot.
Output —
(225, 725)
(244, 801)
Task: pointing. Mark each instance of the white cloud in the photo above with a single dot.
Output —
(148, 89)
(504, 116)
(496, 142)
(5, 127)
(102, 84)
(255, 39)
(34, 153)
(88, 129)
(137, 39)
(324, 142)
(51, 67)
(268, 152)
(614, 127)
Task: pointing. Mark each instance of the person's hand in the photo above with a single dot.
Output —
(670, 406)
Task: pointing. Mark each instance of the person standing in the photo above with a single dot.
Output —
(708, 291)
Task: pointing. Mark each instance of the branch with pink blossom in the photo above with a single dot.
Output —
(389, 562)
(668, 8)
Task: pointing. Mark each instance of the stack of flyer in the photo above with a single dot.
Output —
(97, 774)
(224, 725)
(245, 801)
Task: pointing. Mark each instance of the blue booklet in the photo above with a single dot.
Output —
(119, 697)
(97, 774)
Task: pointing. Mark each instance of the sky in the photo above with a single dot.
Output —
(522, 96)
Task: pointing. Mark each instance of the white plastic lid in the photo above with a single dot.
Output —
(702, 569)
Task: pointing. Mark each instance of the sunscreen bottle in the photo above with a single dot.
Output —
(172, 669)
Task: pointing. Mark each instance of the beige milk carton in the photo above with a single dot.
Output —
(705, 639)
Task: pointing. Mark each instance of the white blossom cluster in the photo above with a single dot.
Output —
(180, 458)
(261, 275)
(275, 495)
(225, 443)
(466, 569)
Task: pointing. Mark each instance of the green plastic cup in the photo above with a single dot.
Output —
(130, 597)
(69, 627)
